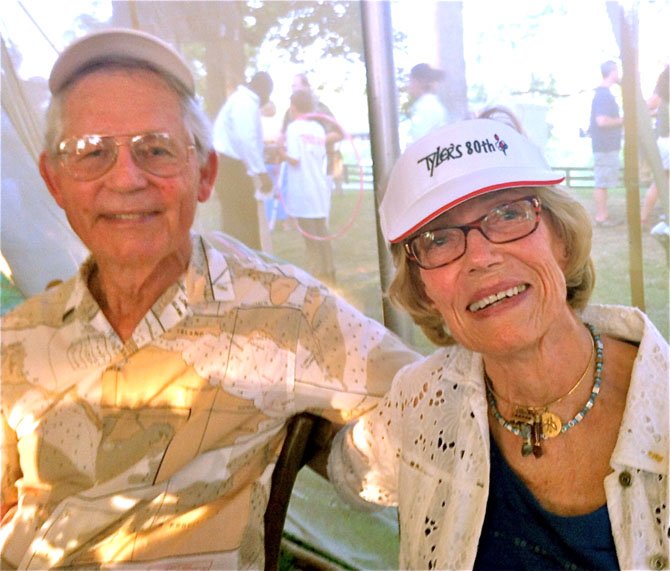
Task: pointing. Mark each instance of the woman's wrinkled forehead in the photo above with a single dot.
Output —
(476, 207)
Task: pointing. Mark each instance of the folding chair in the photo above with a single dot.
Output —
(306, 435)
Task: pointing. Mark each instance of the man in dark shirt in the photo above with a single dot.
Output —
(605, 128)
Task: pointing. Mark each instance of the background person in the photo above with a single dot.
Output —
(659, 104)
(274, 209)
(536, 436)
(334, 133)
(145, 400)
(605, 128)
(308, 194)
(238, 137)
(427, 112)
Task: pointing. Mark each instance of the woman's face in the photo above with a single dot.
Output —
(529, 272)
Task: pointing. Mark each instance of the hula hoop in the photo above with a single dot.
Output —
(359, 200)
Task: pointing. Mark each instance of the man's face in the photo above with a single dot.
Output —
(129, 216)
(613, 76)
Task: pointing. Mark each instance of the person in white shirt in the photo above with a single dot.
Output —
(307, 190)
(238, 138)
(427, 112)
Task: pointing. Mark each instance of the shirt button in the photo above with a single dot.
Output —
(658, 562)
(625, 479)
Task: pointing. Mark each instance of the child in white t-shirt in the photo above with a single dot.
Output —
(308, 192)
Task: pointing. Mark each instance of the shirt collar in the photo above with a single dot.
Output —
(207, 279)
(81, 304)
(208, 276)
(643, 436)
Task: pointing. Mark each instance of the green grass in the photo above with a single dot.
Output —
(611, 255)
(355, 252)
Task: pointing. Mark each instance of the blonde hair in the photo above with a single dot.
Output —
(568, 220)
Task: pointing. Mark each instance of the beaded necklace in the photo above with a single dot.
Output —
(538, 424)
(526, 412)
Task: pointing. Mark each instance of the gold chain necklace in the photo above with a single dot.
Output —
(536, 423)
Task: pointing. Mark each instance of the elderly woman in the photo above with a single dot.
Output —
(537, 436)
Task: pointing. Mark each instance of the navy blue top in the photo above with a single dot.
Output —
(604, 139)
(519, 533)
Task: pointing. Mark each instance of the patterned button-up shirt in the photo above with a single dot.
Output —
(158, 452)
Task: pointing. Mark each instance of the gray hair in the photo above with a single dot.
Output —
(196, 120)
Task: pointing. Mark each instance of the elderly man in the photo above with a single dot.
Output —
(145, 400)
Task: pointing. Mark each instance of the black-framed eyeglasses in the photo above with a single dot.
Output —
(505, 223)
(90, 156)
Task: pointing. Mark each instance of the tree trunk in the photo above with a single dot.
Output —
(454, 91)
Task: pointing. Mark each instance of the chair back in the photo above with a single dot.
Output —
(306, 435)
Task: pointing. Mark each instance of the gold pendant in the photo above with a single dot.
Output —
(551, 424)
(524, 414)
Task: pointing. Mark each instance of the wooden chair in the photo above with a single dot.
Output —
(306, 435)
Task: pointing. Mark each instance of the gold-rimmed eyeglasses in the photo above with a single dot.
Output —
(88, 157)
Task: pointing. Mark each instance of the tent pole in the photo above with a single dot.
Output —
(629, 62)
(384, 140)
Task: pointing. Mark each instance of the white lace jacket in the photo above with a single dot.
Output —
(426, 450)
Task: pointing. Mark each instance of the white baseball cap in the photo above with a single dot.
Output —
(453, 164)
(119, 43)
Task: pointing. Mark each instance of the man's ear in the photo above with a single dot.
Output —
(50, 177)
(208, 176)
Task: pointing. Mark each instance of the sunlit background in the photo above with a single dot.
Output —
(539, 58)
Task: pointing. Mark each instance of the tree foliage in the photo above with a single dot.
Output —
(334, 26)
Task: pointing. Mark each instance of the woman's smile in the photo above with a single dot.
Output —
(496, 298)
